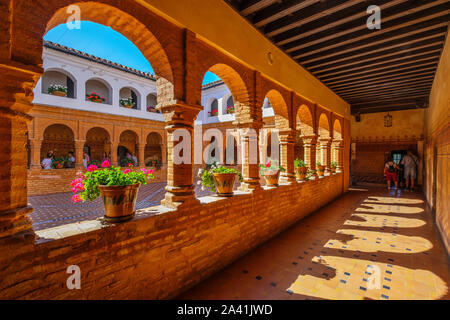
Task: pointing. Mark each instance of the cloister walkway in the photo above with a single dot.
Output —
(368, 244)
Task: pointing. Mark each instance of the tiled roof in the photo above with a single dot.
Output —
(87, 56)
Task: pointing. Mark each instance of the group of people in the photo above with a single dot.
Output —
(408, 165)
(47, 162)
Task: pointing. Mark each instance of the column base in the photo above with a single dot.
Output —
(178, 197)
(16, 221)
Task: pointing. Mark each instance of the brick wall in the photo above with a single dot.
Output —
(42, 182)
(159, 253)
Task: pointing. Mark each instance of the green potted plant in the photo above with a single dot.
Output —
(58, 163)
(271, 172)
(95, 97)
(219, 179)
(230, 109)
(300, 169)
(333, 166)
(125, 162)
(127, 103)
(320, 169)
(57, 90)
(118, 189)
(213, 113)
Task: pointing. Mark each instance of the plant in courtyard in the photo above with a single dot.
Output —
(86, 187)
(230, 109)
(58, 163)
(125, 162)
(95, 162)
(270, 167)
(298, 163)
(127, 102)
(57, 88)
(318, 163)
(334, 164)
(207, 175)
(95, 97)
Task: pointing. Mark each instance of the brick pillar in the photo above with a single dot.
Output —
(13, 174)
(337, 147)
(114, 160)
(180, 187)
(35, 153)
(141, 153)
(309, 147)
(79, 147)
(287, 156)
(250, 158)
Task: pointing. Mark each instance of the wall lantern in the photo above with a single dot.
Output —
(388, 120)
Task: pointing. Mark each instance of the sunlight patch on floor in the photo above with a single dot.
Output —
(387, 208)
(374, 241)
(354, 277)
(393, 200)
(375, 220)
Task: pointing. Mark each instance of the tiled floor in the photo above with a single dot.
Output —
(368, 244)
(57, 209)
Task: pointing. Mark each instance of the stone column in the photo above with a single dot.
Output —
(141, 153)
(180, 118)
(250, 157)
(287, 156)
(309, 147)
(35, 153)
(336, 148)
(79, 150)
(325, 154)
(114, 160)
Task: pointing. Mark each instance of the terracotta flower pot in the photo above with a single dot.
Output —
(321, 171)
(151, 110)
(129, 106)
(224, 183)
(333, 169)
(119, 201)
(300, 173)
(97, 100)
(272, 178)
(59, 93)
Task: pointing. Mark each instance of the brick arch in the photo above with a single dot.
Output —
(323, 126)
(121, 132)
(337, 129)
(89, 126)
(59, 138)
(304, 121)
(68, 124)
(98, 139)
(280, 108)
(233, 80)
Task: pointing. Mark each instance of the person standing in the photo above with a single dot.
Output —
(47, 162)
(389, 172)
(409, 163)
(86, 160)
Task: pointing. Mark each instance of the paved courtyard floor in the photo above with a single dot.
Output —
(57, 209)
(368, 244)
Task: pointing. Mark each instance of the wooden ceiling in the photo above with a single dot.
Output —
(386, 69)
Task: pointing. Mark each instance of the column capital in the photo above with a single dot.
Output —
(309, 140)
(179, 114)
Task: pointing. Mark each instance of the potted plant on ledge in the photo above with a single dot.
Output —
(320, 169)
(95, 97)
(219, 179)
(127, 103)
(230, 109)
(118, 189)
(213, 113)
(57, 90)
(333, 166)
(300, 169)
(58, 163)
(271, 172)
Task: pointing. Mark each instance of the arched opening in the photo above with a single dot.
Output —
(231, 152)
(128, 147)
(304, 126)
(337, 130)
(58, 140)
(129, 98)
(98, 91)
(229, 106)
(153, 150)
(58, 83)
(152, 101)
(98, 145)
(323, 145)
(324, 127)
(213, 109)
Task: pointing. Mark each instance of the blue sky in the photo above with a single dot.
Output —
(106, 43)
